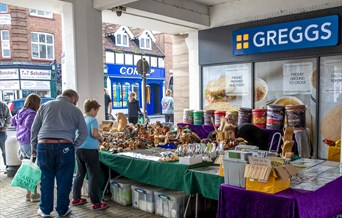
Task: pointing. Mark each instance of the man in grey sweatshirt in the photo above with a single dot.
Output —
(58, 127)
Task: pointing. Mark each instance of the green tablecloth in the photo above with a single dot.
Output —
(203, 182)
(168, 175)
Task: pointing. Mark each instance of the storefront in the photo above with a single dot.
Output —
(290, 60)
(18, 81)
(125, 79)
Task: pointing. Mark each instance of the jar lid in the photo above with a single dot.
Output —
(259, 110)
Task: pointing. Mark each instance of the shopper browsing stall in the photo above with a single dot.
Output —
(87, 158)
(22, 121)
(53, 141)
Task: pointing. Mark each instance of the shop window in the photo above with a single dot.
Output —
(3, 8)
(5, 44)
(125, 92)
(154, 62)
(129, 59)
(110, 57)
(136, 89)
(117, 95)
(41, 13)
(161, 62)
(288, 82)
(42, 45)
(119, 58)
(227, 87)
(330, 103)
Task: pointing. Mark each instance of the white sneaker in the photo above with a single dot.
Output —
(40, 213)
(67, 213)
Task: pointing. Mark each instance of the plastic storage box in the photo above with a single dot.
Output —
(169, 203)
(233, 172)
(143, 197)
(121, 191)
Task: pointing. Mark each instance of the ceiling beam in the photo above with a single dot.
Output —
(108, 4)
(176, 10)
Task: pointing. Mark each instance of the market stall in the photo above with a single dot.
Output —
(322, 197)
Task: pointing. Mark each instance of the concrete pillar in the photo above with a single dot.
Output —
(180, 76)
(194, 71)
(82, 61)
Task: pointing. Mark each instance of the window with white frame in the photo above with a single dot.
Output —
(40, 13)
(121, 39)
(5, 44)
(145, 43)
(42, 45)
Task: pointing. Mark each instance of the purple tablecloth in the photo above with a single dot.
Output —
(325, 202)
(201, 130)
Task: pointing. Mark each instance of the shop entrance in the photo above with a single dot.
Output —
(154, 106)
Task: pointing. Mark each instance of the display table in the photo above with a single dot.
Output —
(168, 175)
(204, 182)
(323, 203)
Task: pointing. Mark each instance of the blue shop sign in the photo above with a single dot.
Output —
(310, 33)
(132, 72)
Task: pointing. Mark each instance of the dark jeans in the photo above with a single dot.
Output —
(169, 118)
(55, 160)
(133, 120)
(3, 138)
(87, 162)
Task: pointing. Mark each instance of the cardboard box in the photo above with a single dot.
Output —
(334, 153)
(191, 160)
(272, 186)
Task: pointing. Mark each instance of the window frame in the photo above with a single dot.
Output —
(124, 39)
(3, 41)
(43, 43)
(143, 43)
(34, 12)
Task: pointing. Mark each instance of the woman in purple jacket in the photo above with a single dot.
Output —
(23, 121)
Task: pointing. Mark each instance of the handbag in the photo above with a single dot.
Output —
(27, 176)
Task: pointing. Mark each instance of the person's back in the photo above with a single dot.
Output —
(167, 104)
(54, 140)
(60, 118)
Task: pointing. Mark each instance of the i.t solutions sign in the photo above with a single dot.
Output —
(310, 33)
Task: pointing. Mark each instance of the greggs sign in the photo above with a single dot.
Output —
(310, 33)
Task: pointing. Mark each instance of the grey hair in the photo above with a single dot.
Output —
(69, 93)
